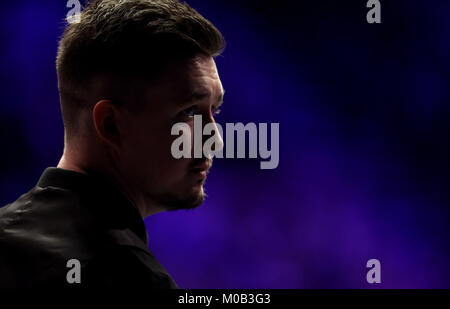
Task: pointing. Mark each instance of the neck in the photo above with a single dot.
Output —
(81, 164)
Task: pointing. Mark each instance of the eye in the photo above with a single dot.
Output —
(190, 111)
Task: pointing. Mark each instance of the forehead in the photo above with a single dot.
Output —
(197, 76)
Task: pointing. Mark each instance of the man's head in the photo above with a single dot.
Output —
(127, 72)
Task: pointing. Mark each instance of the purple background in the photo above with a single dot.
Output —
(364, 143)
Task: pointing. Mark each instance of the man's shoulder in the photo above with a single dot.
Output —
(48, 227)
(40, 232)
(49, 218)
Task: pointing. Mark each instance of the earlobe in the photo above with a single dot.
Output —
(105, 118)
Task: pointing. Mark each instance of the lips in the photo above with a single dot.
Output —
(202, 167)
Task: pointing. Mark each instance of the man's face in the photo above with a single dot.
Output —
(192, 88)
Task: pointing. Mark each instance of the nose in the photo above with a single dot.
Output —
(218, 144)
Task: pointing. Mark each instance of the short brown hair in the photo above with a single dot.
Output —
(129, 39)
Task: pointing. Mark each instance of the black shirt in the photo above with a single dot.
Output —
(68, 216)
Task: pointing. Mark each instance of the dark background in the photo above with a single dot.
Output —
(364, 143)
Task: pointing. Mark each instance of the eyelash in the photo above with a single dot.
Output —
(190, 109)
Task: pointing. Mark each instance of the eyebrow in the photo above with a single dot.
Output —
(199, 95)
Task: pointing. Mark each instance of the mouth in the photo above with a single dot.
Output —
(201, 170)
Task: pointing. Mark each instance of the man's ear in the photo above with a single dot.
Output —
(106, 121)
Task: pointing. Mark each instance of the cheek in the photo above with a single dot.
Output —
(148, 151)
(166, 162)
(137, 147)
(169, 171)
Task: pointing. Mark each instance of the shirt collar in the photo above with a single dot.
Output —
(104, 200)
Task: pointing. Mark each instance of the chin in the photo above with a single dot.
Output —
(196, 198)
(191, 200)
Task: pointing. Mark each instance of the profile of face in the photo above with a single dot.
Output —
(144, 157)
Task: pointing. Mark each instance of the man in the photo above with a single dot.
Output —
(127, 72)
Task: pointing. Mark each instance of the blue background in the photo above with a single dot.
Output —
(364, 143)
